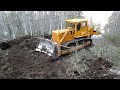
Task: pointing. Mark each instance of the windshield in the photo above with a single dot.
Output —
(72, 25)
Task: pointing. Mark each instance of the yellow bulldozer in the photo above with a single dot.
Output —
(75, 36)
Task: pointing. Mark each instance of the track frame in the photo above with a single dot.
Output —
(66, 48)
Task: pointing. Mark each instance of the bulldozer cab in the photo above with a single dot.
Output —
(79, 26)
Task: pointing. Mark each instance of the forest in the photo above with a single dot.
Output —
(19, 29)
(16, 24)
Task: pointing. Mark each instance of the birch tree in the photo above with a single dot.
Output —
(15, 24)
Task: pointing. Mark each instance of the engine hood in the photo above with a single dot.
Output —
(61, 30)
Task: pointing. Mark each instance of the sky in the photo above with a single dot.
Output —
(98, 16)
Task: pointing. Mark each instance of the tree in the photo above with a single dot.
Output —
(14, 24)
(112, 28)
(113, 23)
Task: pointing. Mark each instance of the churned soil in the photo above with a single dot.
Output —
(21, 61)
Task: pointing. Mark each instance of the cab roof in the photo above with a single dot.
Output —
(76, 20)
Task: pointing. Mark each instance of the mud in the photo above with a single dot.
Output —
(99, 69)
(21, 61)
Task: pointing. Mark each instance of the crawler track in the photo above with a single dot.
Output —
(75, 45)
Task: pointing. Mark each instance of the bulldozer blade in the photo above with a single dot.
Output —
(46, 46)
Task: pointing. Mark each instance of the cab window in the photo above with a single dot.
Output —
(84, 24)
(78, 26)
(72, 25)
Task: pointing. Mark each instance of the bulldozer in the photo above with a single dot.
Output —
(76, 35)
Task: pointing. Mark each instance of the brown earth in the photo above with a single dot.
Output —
(98, 69)
(22, 62)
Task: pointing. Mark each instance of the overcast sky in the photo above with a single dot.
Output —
(98, 16)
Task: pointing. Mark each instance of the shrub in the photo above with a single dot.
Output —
(115, 39)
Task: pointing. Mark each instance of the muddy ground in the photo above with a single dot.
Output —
(21, 61)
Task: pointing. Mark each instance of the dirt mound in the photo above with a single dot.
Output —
(22, 61)
(99, 69)
(47, 36)
(7, 44)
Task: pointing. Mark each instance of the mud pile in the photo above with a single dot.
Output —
(99, 69)
(7, 44)
(22, 61)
